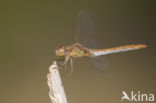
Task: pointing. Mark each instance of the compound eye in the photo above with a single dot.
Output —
(61, 49)
(57, 49)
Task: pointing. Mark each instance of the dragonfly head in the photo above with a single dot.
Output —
(60, 51)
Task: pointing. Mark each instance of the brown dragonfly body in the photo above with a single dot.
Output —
(77, 50)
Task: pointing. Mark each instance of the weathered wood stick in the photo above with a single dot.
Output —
(56, 93)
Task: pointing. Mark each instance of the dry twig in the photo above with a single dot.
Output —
(57, 93)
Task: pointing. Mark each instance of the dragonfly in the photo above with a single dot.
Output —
(78, 50)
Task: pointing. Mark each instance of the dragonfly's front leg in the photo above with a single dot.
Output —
(67, 58)
(66, 61)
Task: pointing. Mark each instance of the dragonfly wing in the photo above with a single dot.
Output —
(100, 63)
(85, 25)
(85, 36)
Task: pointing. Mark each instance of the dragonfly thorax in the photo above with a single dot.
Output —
(74, 50)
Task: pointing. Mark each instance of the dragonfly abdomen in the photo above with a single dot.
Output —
(99, 52)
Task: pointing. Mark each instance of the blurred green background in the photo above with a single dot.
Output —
(30, 31)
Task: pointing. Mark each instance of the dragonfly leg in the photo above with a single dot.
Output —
(71, 68)
(66, 61)
(71, 62)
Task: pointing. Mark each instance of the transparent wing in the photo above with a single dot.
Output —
(85, 25)
(85, 33)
